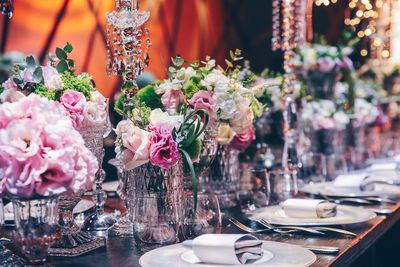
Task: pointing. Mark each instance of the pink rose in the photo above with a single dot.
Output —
(172, 98)
(345, 63)
(137, 144)
(243, 140)
(163, 149)
(325, 64)
(203, 100)
(52, 79)
(75, 103)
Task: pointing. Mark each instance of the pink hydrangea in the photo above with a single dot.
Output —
(52, 78)
(74, 102)
(163, 149)
(242, 141)
(40, 151)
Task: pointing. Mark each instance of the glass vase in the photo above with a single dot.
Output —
(223, 177)
(35, 227)
(73, 241)
(322, 141)
(98, 222)
(155, 203)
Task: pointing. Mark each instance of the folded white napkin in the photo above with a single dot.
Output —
(226, 248)
(350, 180)
(309, 208)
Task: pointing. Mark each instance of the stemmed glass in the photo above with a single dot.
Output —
(205, 219)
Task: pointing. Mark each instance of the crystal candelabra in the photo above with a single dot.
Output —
(128, 41)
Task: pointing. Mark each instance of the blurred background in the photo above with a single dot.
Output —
(191, 28)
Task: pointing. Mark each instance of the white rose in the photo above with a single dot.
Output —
(341, 119)
(94, 114)
(225, 134)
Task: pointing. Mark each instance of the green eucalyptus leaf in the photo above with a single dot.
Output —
(228, 63)
(71, 63)
(61, 54)
(232, 55)
(62, 66)
(68, 48)
(38, 75)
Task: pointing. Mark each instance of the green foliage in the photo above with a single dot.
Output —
(61, 61)
(191, 87)
(82, 83)
(41, 90)
(137, 112)
(148, 96)
(119, 104)
(194, 149)
(1, 89)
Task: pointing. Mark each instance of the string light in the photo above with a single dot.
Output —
(364, 52)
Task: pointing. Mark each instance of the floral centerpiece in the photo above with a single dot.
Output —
(318, 66)
(41, 157)
(88, 110)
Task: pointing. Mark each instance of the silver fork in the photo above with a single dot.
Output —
(289, 229)
(316, 228)
(276, 229)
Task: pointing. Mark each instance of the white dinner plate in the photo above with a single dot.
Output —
(328, 189)
(277, 255)
(82, 206)
(345, 215)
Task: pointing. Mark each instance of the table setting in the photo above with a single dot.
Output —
(212, 161)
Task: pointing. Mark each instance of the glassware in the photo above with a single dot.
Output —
(321, 85)
(283, 186)
(124, 226)
(155, 202)
(313, 168)
(73, 241)
(35, 227)
(255, 188)
(205, 219)
(7, 258)
(223, 178)
(98, 222)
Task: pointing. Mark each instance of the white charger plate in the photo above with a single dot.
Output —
(277, 255)
(328, 189)
(345, 215)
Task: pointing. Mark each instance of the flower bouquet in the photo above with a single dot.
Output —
(155, 142)
(318, 67)
(88, 112)
(41, 157)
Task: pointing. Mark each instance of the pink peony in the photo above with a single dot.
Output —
(203, 100)
(243, 140)
(40, 151)
(163, 149)
(137, 144)
(75, 103)
(172, 98)
(345, 63)
(325, 64)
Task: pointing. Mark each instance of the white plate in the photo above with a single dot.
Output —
(82, 206)
(110, 186)
(283, 255)
(328, 189)
(345, 215)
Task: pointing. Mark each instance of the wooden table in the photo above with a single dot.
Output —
(376, 244)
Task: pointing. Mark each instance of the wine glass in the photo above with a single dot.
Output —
(313, 168)
(204, 219)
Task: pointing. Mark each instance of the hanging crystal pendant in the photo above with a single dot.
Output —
(7, 7)
(128, 40)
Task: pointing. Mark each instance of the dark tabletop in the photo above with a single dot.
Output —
(376, 244)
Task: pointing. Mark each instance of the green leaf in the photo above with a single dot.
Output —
(38, 75)
(71, 63)
(30, 61)
(61, 54)
(68, 48)
(62, 66)
(228, 63)
(232, 55)
(188, 160)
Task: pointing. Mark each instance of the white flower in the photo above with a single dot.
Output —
(341, 119)
(158, 117)
(165, 86)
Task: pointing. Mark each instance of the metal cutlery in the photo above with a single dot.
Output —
(368, 183)
(247, 228)
(323, 249)
(316, 228)
(359, 200)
